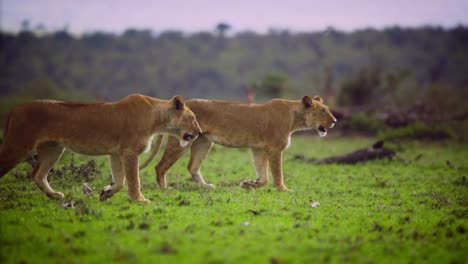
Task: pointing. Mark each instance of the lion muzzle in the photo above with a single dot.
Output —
(322, 131)
(188, 137)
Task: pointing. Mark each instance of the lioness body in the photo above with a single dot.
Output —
(121, 129)
(242, 125)
(264, 128)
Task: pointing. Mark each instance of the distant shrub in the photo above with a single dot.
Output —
(460, 128)
(359, 90)
(418, 130)
(362, 123)
(274, 85)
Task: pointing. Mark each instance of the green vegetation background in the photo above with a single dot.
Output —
(209, 65)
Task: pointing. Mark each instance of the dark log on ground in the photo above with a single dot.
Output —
(377, 151)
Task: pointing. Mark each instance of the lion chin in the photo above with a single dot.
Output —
(322, 134)
(183, 143)
(322, 131)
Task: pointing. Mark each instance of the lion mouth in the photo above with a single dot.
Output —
(322, 131)
(188, 136)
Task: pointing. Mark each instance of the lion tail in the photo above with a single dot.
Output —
(153, 153)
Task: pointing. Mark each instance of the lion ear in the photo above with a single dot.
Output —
(307, 102)
(178, 102)
(318, 98)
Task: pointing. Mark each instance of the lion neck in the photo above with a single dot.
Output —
(299, 121)
(161, 117)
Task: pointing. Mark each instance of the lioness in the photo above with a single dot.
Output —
(264, 128)
(122, 130)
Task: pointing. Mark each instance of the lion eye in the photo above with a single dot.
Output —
(324, 112)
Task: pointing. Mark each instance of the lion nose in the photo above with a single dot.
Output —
(334, 121)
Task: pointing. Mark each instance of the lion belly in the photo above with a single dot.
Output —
(234, 142)
(90, 149)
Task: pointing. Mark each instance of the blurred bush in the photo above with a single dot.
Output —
(418, 130)
(39, 89)
(359, 90)
(273, 85)
(361, 123)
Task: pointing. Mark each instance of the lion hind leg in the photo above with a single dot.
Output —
(260, 161)
(200, 149)
(48, 154)
(118, 178)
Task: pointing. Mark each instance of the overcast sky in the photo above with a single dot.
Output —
(192, 16)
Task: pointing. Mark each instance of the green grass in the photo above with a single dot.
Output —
(412, 209)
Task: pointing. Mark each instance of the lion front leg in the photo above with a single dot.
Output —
(130, 165)
(260, 160)
(275, 159)
(118, 178)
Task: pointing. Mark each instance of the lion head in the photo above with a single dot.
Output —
(183, 123)
(317, 115)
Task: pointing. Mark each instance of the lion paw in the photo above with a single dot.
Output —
(248, 184)
(283, 189)
(164, 187)
(56, 195)
(143, 200)
(208, 186)
(106, 193)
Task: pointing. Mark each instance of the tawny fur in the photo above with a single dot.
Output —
(119, 129)
(264, 128)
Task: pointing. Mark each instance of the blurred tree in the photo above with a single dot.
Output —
(222, 28)
(359, 90)
(25, 25)
(328, 91)
(40, 29)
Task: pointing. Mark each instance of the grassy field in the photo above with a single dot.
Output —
(413, 209)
